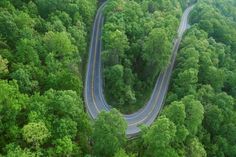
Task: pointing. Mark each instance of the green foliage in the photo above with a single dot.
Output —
(196, 149)
(64, 146)
(157, 51)
(16, 151)
(193, 121)
(24, 80)
(187, 80)
(26, 52)
(137, 35)
(42, 44)
(121, 153)
(114, 76)
(159, 137)
(210, 111)
(59, 44)
(118, 42)
(83, 7)
(220, 27)
(42, 47)
(11, 104)
(176, 108)
(35, 133)
(109, 133)
(213, 119)
(3, 67)
(35, 34)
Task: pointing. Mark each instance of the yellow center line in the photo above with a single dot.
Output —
(131, 124)
(140, 121)
(93, 74)
(154, 105)
(94, 60)
(93, 97)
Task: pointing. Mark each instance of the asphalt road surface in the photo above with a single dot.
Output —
(94, 96)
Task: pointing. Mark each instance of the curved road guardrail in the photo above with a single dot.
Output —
(94, 97)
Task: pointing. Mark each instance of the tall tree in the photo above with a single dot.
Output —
(118, 43)
(157, 51)
(193, 121)
(159, 137)
(109, 133)
(12, 102)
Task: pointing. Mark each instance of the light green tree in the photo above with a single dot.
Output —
(35, 133)
(121, 153)
(196, 149)
(11, 104)
(3, 66)
(64, 146)
(60, 44)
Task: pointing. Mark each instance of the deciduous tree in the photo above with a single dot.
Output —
(109, 132)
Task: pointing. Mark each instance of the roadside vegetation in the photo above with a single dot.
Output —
(43, 45)
(137, 43)
(200, 113)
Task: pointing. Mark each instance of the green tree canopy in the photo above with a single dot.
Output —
(35, 133)
(159, 137)
(109, 133)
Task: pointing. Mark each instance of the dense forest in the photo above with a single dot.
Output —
(43, 55)
(42, 47)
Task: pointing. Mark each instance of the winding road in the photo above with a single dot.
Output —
(94, 96)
